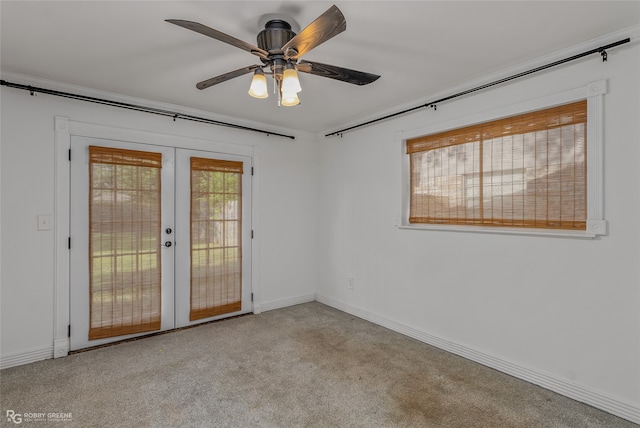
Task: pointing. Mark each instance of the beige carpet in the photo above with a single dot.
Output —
(303, 366)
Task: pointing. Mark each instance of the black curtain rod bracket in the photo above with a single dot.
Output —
(602, 50)
(34, 89)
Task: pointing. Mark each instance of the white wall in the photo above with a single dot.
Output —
(285, 174)
(563, 313)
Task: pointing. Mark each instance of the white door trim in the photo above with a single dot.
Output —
(64, 128)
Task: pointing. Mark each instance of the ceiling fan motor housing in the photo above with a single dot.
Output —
(275, 35)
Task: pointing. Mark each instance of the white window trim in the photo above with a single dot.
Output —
(596, 224)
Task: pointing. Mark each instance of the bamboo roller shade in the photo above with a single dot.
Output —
(541, 155)
(542, 120)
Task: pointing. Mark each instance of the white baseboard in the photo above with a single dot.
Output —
(61, 347)
(561, 386)
(26, 357)
(283, 303)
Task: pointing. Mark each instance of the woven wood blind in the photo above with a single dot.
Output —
(216, 237)
(124, 241)
(523, 171)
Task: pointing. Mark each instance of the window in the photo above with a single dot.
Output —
(524, 171)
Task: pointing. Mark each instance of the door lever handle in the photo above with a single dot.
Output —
(167, 244)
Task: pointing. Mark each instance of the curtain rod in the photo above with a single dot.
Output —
(135, 107)
(434, 104)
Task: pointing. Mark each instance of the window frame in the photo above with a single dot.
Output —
(596, 224)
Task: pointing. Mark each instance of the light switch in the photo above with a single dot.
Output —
(44, 222)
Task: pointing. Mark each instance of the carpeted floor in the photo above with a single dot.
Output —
(303, 366)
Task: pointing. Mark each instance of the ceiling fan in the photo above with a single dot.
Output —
(280, 49)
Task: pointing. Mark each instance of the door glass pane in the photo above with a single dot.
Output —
(124, 241)
(216, 244)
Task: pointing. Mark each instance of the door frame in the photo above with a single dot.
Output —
(64, 128)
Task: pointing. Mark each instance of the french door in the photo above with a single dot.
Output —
(160, 239)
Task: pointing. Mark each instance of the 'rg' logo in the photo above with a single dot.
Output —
(14, 417)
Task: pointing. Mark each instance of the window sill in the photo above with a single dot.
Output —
(594, 229)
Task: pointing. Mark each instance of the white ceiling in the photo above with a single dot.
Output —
(418, 47)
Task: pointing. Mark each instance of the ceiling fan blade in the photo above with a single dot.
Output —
(338, 73)
(218, 35)
(329, 24)
(226, 76)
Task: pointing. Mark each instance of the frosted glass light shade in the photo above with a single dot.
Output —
(258, 87)
(290, 82)
(290, 99)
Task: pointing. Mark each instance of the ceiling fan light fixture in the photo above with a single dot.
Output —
(290, 99)
(258, 87)
(290, 81)
(280, 46)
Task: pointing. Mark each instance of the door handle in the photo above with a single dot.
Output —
(167, 244)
